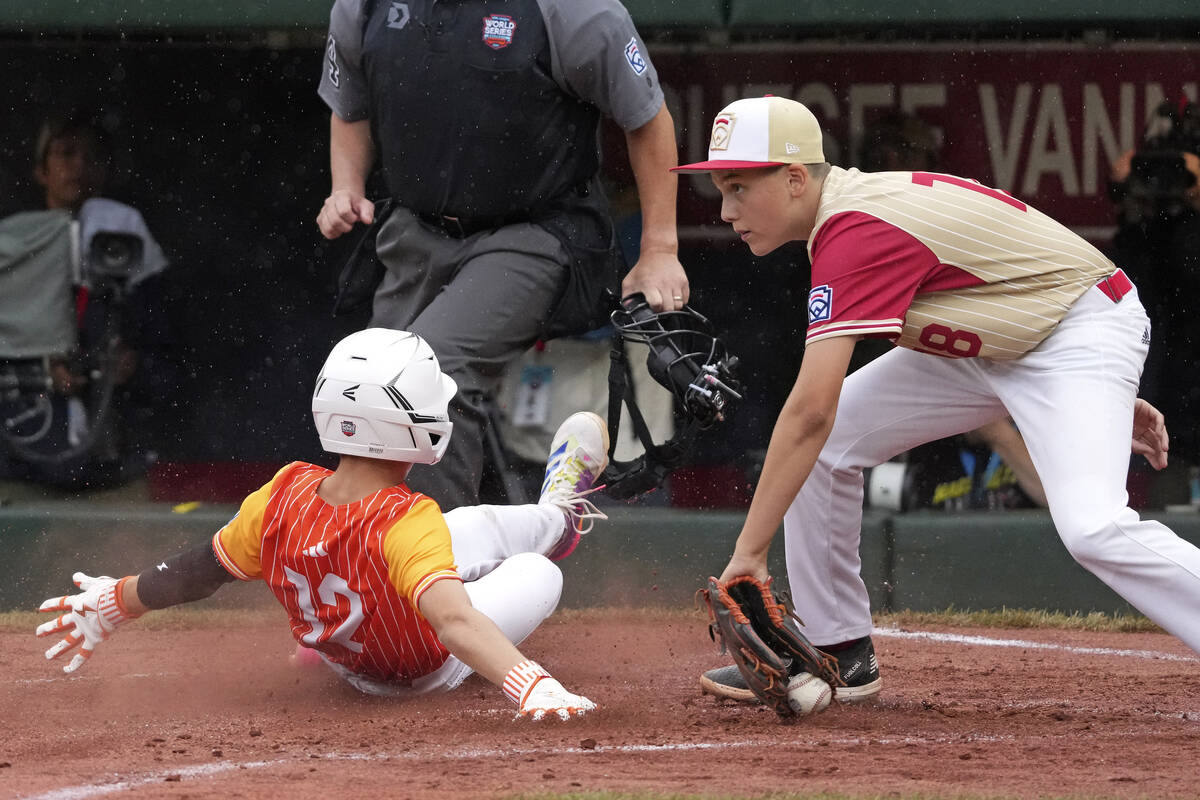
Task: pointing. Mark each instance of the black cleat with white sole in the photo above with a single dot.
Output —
(857, 665)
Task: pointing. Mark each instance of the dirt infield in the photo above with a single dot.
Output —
(205, 713)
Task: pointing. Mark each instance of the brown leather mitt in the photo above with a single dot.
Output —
(762, 634)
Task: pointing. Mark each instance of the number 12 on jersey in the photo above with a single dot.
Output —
(332, 586)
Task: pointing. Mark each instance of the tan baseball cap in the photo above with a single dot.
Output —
(761, 132)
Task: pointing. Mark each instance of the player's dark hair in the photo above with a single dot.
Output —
(818, 172)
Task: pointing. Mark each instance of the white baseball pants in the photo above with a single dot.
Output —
(500, 555)
(1072, 399)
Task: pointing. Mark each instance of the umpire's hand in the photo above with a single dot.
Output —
(342, 210)
(660, 277)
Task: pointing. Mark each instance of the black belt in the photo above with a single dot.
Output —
(462, 227)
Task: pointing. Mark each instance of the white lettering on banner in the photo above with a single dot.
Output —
(1050, 151)
(1098, 130)
(820, 96)
(1050, 125)
(915, 96)
(862, 97)
(1004, 150)
(1154, 96)
(1040, 140)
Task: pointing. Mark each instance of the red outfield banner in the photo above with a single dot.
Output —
(1040, 121)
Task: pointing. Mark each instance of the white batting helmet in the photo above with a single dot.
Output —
(381, 394)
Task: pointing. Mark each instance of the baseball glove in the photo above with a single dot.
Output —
(762, 634)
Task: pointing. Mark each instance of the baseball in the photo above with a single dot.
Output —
(808, 694)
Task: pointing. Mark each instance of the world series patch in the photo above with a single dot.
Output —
(498, 31)
(820, 304)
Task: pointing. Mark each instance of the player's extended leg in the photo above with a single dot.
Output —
(484, 536)
(1073, 401)
(900, 400)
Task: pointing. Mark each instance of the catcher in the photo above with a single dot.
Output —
(395, 597)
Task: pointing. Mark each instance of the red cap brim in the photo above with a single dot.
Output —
(712, 166)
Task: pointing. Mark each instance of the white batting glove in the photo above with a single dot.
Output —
(537, 694)
(90, 617)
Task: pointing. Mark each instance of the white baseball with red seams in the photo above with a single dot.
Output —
(808, 694)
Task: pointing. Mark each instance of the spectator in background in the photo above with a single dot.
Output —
(1156, 189)
(82, 326)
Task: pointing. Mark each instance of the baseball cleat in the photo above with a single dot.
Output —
(859, 670)
(578, 454)
(857, 665)
(728, 683)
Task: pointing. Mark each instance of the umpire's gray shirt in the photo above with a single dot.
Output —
(597, 56)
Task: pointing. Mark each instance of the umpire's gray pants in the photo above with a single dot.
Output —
(480, 302)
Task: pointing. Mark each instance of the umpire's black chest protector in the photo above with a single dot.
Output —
(464, 111)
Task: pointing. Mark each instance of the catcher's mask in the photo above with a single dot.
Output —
(686, 358)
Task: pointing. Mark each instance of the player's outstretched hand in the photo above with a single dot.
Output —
(548, 696)
(89, 617)
(1150, 434)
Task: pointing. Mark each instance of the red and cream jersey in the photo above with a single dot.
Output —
(942, 265)
(350, 576)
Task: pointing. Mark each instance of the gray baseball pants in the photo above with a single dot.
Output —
(480, 302)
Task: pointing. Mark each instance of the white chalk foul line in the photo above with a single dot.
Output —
(84, 791)
(99, 789)
(63, 678)
(985, 641)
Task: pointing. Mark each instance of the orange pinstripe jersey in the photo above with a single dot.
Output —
(350, 576)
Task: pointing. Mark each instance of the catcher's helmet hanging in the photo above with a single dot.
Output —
(690, 362)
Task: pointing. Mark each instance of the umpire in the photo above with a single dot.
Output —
(484, 116)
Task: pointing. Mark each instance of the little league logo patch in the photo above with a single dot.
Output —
(721, 132)
(634, 56)
(820, 304)
(498, 31)
(348, 428)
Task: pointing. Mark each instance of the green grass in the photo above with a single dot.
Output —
(1020, 618)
